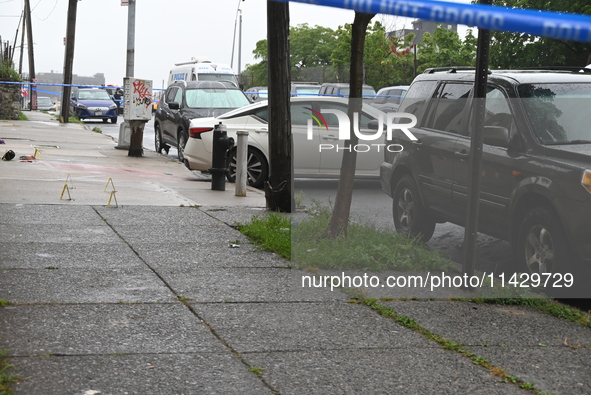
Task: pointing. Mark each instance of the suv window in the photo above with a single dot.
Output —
(447, 114)
(171, 94)
(417, 95)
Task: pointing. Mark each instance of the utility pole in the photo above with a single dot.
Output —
(33, 95)
(136, 148)
(20, 61)
(69, 60)
(279, 188)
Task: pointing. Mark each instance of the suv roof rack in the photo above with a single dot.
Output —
(576, 69)
(450, 69)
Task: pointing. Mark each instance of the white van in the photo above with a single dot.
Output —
(202, 69)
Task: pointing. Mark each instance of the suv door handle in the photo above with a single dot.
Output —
(417, 144)
(263, 130)
(462, 155)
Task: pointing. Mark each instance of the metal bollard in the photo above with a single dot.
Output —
(241, 163)
(221, 144)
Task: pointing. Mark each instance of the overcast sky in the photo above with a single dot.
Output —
(167, 32)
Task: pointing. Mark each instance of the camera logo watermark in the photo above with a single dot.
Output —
(387, 123)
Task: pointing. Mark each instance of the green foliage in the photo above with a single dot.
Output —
(321, 54)
(512, 50)
(445, 48)
(7, 73)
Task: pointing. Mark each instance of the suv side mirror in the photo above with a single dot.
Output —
(174, 105)
(497, 136)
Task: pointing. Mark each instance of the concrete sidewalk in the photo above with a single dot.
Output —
(153, 297)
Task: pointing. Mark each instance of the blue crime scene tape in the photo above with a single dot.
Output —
(556, 25)
(72, 85)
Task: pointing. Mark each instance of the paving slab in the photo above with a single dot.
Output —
(479, 324)
(185, 216)
(38, 214)
(265, 327)
(89, 329)
(552, 369)
(413, 370)
(176, 255)
(179, 373)
(60, 234)
(207, 285)
(42, 255)
(85, 285)
(205, 236)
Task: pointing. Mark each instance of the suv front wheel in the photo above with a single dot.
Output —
(410, 217)
(541, 245)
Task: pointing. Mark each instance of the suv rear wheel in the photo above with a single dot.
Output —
(541, 245)
(410, 217)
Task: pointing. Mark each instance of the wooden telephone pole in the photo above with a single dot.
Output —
(69, 60)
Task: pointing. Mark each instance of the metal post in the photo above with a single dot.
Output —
(476, 146)
(241, 163)
(126, 129)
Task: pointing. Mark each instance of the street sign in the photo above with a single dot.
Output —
(124, 2)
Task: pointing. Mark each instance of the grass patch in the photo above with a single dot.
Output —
(271, 233)
(22, 116)
(96, 129)
(363, 248)
(4, 302)
(6, 375)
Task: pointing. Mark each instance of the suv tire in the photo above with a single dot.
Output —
(410, 217)
(182, 142)
(541, 245)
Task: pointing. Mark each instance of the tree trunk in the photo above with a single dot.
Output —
(342, 208)
(279, 188)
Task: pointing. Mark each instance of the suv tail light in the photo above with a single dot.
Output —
(196, 132)
(586, 180)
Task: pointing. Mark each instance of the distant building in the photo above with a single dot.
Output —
(419, 28)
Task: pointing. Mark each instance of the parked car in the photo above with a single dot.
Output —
(342, 90)
(536, 164)
(388, 99)
(305, 88)
(186, 100)
(90, 103)
(44, 103)
(257, 93)
(309, 159)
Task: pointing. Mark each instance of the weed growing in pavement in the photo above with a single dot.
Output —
(545, 305)
(447, 344)
(96, 129)
(4, 302)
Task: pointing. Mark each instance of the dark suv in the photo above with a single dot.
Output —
(184, 101)
(536, 166)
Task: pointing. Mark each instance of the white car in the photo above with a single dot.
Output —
(318, 149)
